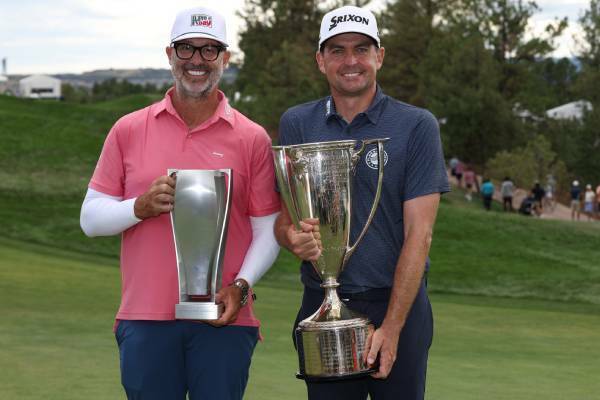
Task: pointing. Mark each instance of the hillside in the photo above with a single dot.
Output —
(48, 153)
(49, 150)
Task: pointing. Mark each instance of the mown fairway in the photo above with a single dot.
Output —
(516, 300)
(56, 342)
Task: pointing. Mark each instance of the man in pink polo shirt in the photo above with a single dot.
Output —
(193, 127)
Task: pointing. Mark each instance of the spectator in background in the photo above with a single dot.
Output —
(575, 204)
(539, 193)
(487, 191)
(506, 190)
(589, 198)
(469, 176)
(598, 200)
(549, 200)
(529, 206)
(458, 173)
(452, 164)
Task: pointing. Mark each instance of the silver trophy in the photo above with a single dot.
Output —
(199, 220)
(315, 181)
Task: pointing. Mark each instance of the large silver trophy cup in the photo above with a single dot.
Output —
(199, 219)
(315, 181)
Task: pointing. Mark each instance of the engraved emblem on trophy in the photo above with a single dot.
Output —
(315, 181)
(199, 219)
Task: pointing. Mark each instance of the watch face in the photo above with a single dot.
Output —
(244, 288)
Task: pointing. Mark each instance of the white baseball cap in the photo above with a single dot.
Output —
(349, 19)
(199, 22)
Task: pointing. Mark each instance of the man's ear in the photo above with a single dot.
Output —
(380, 56)
(169, 52)
(320, 61)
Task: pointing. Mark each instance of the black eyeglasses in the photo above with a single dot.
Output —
(209, 52)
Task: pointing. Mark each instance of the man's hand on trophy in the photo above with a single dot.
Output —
(305, 244)
(158, 198)
(381, 348)
(231, 297)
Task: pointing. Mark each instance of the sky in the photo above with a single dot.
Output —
(74, 36)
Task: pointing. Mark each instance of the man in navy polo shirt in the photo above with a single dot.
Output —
(384, 278)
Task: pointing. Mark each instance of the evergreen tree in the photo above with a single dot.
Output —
(279, 68)
(407, 28)
(550, 84)
(589, 55)
(587, 163)
(462, 84)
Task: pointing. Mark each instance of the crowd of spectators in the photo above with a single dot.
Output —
(540, 198)
(586, 201)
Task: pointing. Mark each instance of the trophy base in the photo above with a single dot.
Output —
(333, 350)
(198, 311)
(330, 378)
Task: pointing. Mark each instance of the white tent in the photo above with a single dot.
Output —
(573, 110)
(40, 87)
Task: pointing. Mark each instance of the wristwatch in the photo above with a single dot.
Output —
(244, 287)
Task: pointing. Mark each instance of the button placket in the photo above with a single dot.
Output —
(187, 139)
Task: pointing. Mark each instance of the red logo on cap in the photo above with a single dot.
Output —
(202, 20)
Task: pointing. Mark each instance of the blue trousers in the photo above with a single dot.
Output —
(407, 377)
(165, 360)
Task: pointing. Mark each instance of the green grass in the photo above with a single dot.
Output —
(513, 349)
(55, 336)
(49, 151)
(58, 307)
(53, 146)
(516, 300)
(499, 254)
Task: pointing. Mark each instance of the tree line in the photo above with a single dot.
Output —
(108, 89)
(471, 62)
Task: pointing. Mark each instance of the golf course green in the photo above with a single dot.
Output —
(516, 300)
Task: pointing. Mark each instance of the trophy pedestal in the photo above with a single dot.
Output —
(198, 311)
(332, 342)
(333, 350)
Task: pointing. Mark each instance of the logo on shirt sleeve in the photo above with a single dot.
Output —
(372, 160)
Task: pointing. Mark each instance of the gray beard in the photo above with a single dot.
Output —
(194, 95)
(181, 89)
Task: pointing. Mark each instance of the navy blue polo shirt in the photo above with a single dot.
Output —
(414, 166)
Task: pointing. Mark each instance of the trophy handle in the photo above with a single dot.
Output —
(380, 162)
(282, 173)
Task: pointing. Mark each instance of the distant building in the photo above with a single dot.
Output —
(570, 111)
(524, 114)
(3, 83)
(3, 78)
(40, 87)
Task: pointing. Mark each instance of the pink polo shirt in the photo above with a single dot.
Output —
(142, 146)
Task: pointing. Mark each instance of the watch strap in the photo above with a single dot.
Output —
(245, 288)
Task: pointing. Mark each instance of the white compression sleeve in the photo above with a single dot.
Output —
(263, 249)
(104, 215)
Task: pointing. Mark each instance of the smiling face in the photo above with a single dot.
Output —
(197, 78)
(350, 61)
